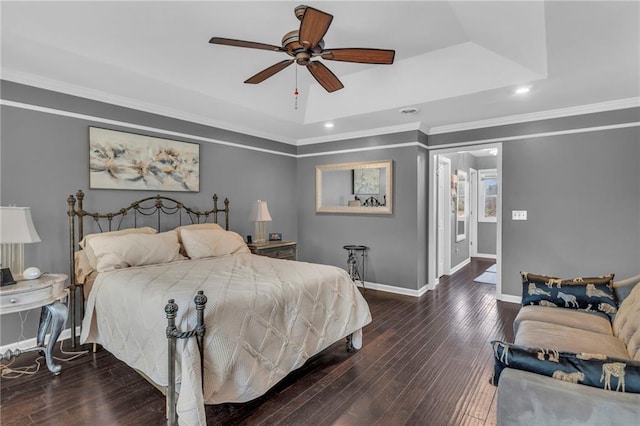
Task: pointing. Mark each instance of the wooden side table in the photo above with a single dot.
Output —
(275, 249)
(47, 291)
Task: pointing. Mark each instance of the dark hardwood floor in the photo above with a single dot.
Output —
(424, 361)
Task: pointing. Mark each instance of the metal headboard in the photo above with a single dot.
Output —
(158, 205)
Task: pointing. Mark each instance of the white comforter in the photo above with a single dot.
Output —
(265, 317)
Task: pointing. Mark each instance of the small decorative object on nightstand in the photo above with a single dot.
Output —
(47, 291)
(276, 249)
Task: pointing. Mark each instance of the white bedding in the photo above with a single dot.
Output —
(265, 317)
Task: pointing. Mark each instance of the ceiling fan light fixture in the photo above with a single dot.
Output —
(409, 111)
(306, 43)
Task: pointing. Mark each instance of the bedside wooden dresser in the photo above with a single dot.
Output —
(47, 292)
(276, 249)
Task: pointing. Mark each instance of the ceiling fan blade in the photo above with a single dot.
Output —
(268, 72)
(242, 43)
(313, 27)
(324, 76)
(363, 56)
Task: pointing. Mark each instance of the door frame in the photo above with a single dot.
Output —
(473, 212)
(443, 206)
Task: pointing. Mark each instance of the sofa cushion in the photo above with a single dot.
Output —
(528, 399)
(609, 373)
(592, 294)
(539, 334)
(626, 325)
(589, 321)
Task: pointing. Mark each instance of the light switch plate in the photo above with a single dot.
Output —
(519, 215)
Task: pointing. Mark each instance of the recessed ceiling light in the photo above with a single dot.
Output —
(522, 90)
(409, 111)
(328, 125)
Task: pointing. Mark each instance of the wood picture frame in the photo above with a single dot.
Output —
(122, 160)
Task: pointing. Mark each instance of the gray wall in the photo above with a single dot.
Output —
(581, 191)
(582, 195)
(44, 158)
(394, 251)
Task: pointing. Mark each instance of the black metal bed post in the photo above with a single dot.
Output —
(71, 202)
(200, 301)
(171, 309)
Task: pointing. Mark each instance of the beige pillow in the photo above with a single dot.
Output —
(214, 226)
(135, 250)
(200, 243)
(91, 257)
(82, 266)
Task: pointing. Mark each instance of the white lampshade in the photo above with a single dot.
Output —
(16, 226)
(16, 229)
(261, 213)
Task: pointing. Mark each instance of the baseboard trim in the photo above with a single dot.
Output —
(33, 342)
(395, 290)
(509, 298)
(485, 256)
(460, 266)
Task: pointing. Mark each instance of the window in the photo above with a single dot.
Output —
(488, 200)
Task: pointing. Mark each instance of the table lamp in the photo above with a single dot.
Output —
(261, 216)
(16, 229)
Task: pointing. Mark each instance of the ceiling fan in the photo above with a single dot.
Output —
(306, 43)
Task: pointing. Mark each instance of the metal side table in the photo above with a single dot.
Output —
(356, 262)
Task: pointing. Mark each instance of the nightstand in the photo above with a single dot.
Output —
(275, 249)
(47, 291)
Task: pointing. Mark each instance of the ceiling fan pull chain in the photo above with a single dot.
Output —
(295, 92)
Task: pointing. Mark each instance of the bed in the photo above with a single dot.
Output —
(264, 317)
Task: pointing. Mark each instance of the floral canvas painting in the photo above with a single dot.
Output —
(120, 160)
(366, 181)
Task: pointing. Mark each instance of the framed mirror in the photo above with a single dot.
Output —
(461, 205)
(362, 188)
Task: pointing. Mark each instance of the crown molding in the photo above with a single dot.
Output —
(76, 115)
(536, 116)
(100, 96)
(361, 134)
(362, 149)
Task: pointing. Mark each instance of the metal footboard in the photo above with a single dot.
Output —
(171, 309)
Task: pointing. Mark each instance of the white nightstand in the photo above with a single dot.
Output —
(47, 291)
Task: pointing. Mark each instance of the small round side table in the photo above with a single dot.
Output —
(47, 292)
(356, 262)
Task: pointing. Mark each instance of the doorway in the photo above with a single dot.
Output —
(446, 255)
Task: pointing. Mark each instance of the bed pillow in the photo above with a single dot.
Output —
(194, 226)
(91, 257)
(590, 294)
(82, 267)
(200, 243)
(135, 250)
(600, 371)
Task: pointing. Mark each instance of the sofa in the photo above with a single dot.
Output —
(571, 365)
